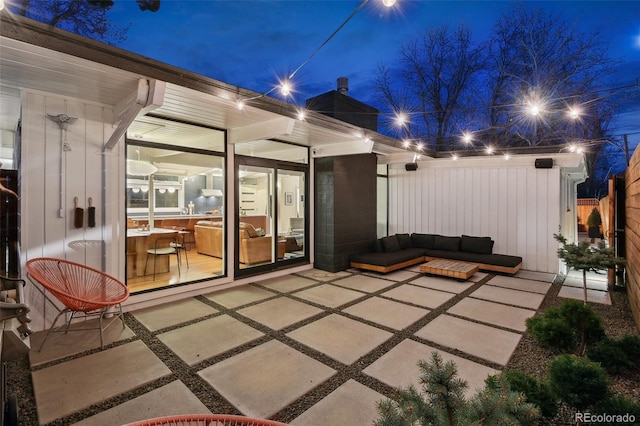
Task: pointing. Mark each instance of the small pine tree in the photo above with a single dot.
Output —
(583, 257)
(568, 328)
(538, 392)
(443, 402)
(578, 381)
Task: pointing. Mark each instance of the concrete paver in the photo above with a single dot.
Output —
(263, 380)
(174, 313)
(352, 403)
(419, 296)
(196, 342)
(68, 387)
(476, 339)
(399, 367)
(341, 338)
(386, 312)
(150, 405)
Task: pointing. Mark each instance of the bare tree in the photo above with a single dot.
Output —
(435, 71)
(540, 67)
(84, 17)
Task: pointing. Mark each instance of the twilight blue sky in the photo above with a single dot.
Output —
(253, 43)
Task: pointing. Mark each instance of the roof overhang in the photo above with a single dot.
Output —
(38, 57)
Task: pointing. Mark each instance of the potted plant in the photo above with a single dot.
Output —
(594, 221)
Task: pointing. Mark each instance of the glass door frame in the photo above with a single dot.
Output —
(274, 165)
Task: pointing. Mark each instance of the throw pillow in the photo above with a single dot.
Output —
(378, 247)
(446, 243)
(390, 243)
(424, 241)
(251, 231)
(480, 245)
(260, 232)
(405, 241)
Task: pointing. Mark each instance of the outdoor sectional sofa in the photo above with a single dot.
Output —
(401, 250)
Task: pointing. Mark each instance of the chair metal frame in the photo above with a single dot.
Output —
(168, 250)
(81, 289)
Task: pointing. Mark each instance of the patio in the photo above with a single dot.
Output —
(306, 349)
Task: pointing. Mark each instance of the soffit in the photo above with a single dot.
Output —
(32, 67)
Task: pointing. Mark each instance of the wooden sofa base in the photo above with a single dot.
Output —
(385, 269)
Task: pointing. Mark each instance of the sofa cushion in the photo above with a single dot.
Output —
(424, 241)
(480, 245)
(217, 224)
(389, 258)
(446, 243)
(251, 231)
(378, 247)
(489, 259)
(390, 244)
(404, 240)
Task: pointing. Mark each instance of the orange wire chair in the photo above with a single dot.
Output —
(206, 420)
(80, 288)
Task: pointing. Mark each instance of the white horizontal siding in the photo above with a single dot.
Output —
(516, 205)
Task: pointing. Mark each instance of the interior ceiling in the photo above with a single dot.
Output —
(26, 66)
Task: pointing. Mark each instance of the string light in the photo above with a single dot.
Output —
(401, 119)
(286, 85)
(574, 112)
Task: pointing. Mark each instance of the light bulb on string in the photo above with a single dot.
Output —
(466, 138)
(285, 87)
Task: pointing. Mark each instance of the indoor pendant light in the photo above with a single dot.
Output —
(140, 168)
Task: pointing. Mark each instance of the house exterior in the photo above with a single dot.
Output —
(349, 183)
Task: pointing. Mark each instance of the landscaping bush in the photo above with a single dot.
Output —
(616, 355)
(578, 381)
(442, 401)
(568, 328)
(537, 392)
(616, 404)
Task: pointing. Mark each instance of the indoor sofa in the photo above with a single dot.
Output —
(255, 247)
(401, 250)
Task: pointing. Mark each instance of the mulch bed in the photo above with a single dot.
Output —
(617, 321)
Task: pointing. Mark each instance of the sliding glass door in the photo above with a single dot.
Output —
(271, 225)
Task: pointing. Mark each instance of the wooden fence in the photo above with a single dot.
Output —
(585, 206)
(632, 234)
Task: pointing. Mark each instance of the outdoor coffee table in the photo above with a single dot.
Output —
(450, 268)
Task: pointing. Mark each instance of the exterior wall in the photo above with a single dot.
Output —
(50, 178)
(345, 209)
(517, 205)
(632, 234)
